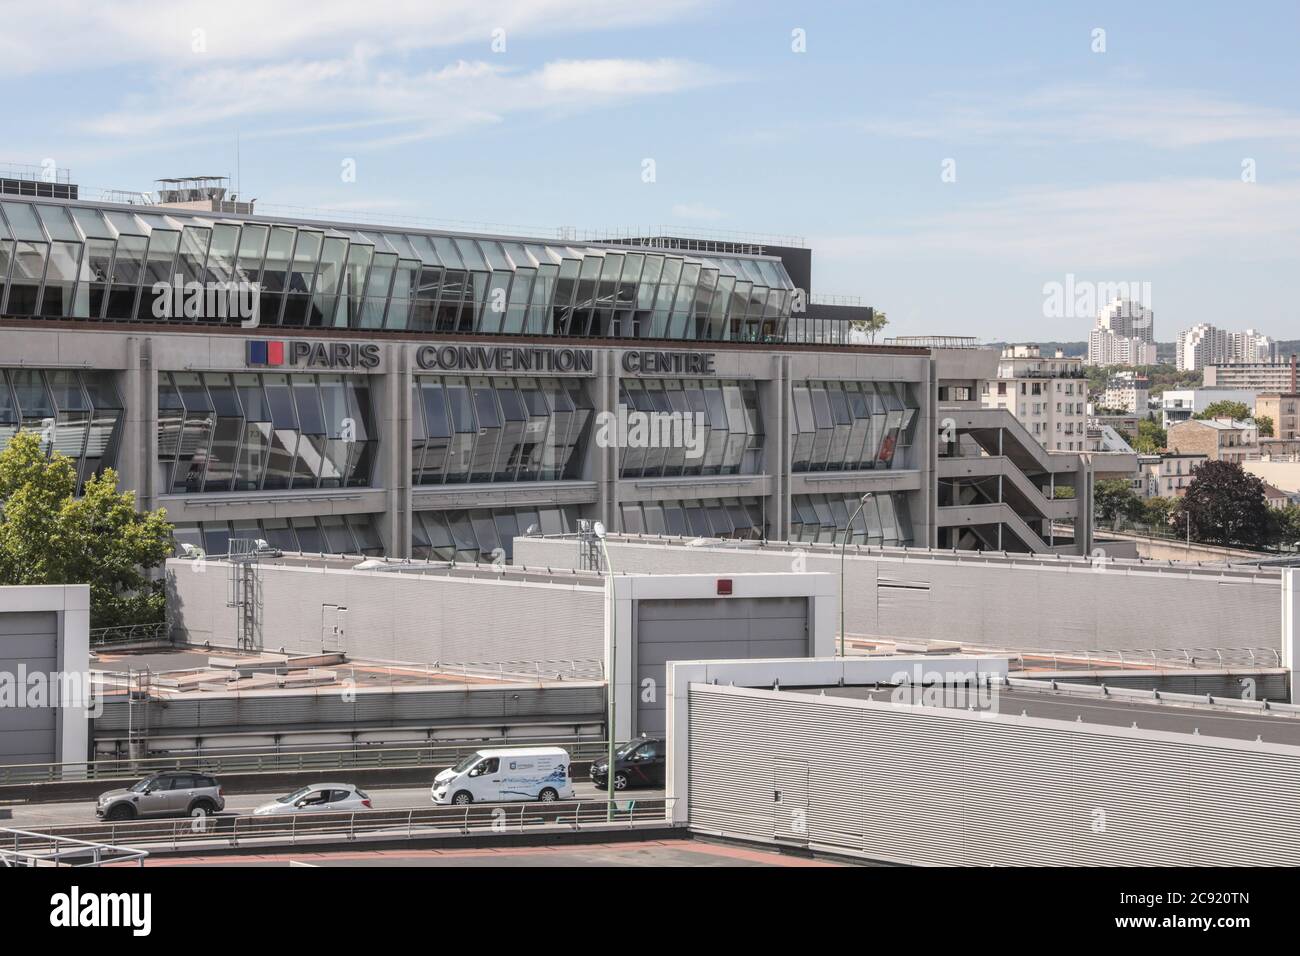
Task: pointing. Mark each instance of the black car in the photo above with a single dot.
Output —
(639, 763)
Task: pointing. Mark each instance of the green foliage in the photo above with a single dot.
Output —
(49, 536)
(1286, 526)
(1265, 424)
(1156, 512)
(1113, 498)
(1151, 438)
(872, 326)
(1225, 504)
(1237, 411)
(1063, 492)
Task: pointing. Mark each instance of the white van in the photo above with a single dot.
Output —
(499, 775)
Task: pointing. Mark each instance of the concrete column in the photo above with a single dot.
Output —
(138, 449)
(928, 460)
(395, 444)
(604, 462)
(1290, 625)
(775, 407)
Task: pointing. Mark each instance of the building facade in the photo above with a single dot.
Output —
(1180, 404)
(369, 390)
(1284, 409)
(1127, 392)
(1168, 475)
(1204, 345)
(1257, 376)
(1218, 439)
(1049, 395)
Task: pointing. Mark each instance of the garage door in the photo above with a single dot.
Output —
(717, 629)
(28, 640)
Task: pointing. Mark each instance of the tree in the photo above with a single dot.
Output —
(869, 327)
(1151, 438)
(1265, 424)
(1237, 411)
(1224, 503)
(1286, 526)
(1113, 498)
(1156, 512)
(50, 536)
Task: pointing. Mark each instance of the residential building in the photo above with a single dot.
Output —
(1259, 376)
(1284, 409)
(1180, 404)
(1204, 345)
(1049, 395)
(1167, 475)
(1124, 334)
(1127, 391)
(1218, 439)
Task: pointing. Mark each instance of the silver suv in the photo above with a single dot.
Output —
(170, 793)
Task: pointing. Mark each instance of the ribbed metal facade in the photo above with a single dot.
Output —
(958, 788)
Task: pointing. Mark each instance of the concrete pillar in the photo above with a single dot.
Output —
(928, 460)
(138, 449)
(1290, 625)
(393, 402)
(603, 463)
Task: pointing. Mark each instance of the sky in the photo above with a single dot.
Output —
(946, 162)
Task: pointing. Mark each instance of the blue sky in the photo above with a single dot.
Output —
(1122, 165)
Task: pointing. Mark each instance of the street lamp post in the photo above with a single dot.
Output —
(598, 529)
(844, 544)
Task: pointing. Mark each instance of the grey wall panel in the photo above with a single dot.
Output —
(1033, 604)
(28, 646)
(959, 788)
(424, 619)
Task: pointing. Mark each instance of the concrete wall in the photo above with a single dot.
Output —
(396, 617)
(990, 601)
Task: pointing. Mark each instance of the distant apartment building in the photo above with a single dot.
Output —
(1178, 405)
(1218, 439)
(1124, 334)
(1204, 344)
(1167, 475)
(1129, 392)
(1260, 376)
(1048, 394)
(1284, 409)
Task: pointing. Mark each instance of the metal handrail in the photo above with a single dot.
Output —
(420, 755)
(61, 847)
(401, 823)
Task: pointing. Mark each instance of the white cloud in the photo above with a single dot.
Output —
(1091, 114)
(352, 93)
(61, 36)
(1114, 226)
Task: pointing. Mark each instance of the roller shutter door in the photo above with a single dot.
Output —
(721, 629)
(28, 640)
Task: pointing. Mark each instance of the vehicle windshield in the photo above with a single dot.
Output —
(466, 763)
(144, 784)
(296, 795)
(627, 748)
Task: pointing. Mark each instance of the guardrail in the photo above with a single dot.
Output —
(1184, 657)
(428, 755)
(43, 849)
(399, 824)
(1136, 695)
(130, 634)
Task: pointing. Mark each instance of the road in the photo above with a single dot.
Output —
(37, 815)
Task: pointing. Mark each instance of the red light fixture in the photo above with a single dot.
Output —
(724, 586)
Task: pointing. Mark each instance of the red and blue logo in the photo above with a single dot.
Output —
(262, 352)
